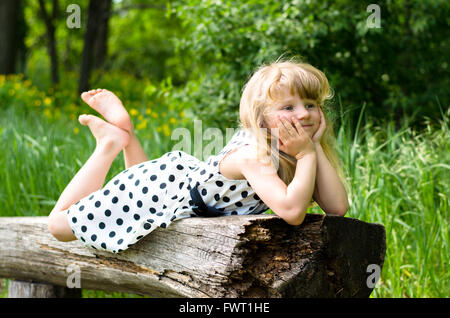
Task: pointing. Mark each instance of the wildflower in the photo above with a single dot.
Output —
(47, 113)
(154, 115)
(163, 114)
(76, 130)
(172, 120)
(37, 102)
(182, 114)
(134, 112)
(27, 83)
(166, 130)
(11, 92)
(148, 111)
(47, 101)
(17, 86)
(142, 125)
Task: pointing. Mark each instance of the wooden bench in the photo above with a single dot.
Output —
(236, 256)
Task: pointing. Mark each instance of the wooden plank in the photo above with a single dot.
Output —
(233, 256)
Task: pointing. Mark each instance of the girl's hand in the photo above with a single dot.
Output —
(293, 139)
(317, 137)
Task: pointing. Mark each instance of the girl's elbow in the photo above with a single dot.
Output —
(295, 217)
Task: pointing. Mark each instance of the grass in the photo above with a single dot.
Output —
(397, 177)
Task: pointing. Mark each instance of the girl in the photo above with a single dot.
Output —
(280, 109)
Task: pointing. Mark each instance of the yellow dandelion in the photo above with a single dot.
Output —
(37, 102)
(2, 77)
(172, 120)
(148, 111)
(27, 83)
(163, 114)
(47, 101)
(11, 92)
(17, 86)
(134, 112)
(158, 129)
(166, 130)
(154, 115)
(182, 114)
(76, 130)
(140, 117)
(142, 125)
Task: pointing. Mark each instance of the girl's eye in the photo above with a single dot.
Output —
(310, 106)
(288, 107)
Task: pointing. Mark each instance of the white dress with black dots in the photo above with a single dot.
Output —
(157, 192)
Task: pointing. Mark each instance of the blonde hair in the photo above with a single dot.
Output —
(262, 90)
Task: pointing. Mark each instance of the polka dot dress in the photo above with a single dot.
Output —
(156, 193)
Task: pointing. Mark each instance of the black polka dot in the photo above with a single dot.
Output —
(83, 228)
(136, 217)
(126, 208)
(155, 198)
(159, 214)
(90, 216)
(219, 183)
(255, 196)
(226, 199)
(203, 172)
(144, 190)
(147, 226)
(217, 197)
(108, 213)
(106, 192)
(112, 234)
(91, 197)
(81, 208)
(131, 176)
(215, 163)
(139, 204)
(163, 225)
(130, 194)
(171, 178)
(233, 187)
(152, 210)
(181, 185)
(119, 221)
(97, 204)
(244, 194)
(137, 183)
(163, 166)
(103, 245)
(122, 187)
(120, 241)
(180, 167)
(162, 185)
(239, 204)
(74, 220)
(129, 229)
(174, 197)
(93, 237)
(116, 182)
(153, 177)
(115, 200)
(204, 192)
(101, 225)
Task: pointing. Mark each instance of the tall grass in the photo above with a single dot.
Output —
(397, 177)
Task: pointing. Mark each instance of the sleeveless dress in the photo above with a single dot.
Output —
(156, 193)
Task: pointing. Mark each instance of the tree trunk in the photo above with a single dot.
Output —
(9, 15)
(95, 40)
(50, 22)
(232, 256)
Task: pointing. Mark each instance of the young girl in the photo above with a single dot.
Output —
(280, 158)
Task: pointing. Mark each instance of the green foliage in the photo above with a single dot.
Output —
(398, 69)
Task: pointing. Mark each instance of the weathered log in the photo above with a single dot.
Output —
(235, 256)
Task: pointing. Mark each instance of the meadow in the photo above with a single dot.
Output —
(397, 176)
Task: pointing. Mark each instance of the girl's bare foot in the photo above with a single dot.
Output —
(108, 136)
(110, 107)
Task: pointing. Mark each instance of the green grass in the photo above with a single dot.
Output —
(397, 177)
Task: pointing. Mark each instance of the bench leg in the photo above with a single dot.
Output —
(19, 289)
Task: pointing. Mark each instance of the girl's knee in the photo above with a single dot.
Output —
(59, 227)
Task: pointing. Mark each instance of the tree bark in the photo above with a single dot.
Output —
(233, 256)
(95, 40)
(9, 15)
(50, 22)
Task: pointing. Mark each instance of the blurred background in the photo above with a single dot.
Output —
(171, 62)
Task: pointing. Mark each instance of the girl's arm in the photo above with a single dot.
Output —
(329, 191)
(133, 153)
(288, 202)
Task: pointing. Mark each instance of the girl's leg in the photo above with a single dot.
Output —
(91, 177)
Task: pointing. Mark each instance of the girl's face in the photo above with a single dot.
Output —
(306, 111)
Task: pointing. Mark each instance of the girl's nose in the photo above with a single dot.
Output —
(301, 114)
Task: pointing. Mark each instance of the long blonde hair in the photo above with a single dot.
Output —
(260, 92)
